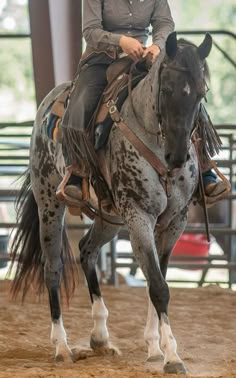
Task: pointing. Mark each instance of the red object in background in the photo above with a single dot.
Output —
(192, 245)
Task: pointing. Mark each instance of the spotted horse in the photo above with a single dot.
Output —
(166, 103)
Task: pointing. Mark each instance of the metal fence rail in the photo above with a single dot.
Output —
(14, 147)
(14, 163)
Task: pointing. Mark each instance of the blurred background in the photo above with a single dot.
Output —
(17, 90)
(40, 46)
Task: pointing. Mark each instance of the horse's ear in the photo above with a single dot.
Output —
(171, 45)
(205, 48)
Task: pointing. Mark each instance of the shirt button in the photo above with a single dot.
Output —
(130, 14)
(131, 2)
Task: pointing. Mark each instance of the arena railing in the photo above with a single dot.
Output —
(226, 261)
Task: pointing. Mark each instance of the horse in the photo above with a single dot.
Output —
(166, 103)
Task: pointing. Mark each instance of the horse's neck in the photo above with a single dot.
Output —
(145, 99)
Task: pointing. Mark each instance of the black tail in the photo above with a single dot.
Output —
(26, 249)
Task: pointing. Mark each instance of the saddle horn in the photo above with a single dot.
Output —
(205, 47)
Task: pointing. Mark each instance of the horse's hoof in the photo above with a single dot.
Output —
(157, 358)
(104, 348)
(175, 368)
(96, 344)
(81, 354)
(73, 357)
(108, 350)
(59, 358)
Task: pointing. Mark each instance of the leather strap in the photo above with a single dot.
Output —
(201, 187)
(138, 144)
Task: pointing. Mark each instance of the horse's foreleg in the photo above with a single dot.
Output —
(165, 242)
(90, 245)
(141, 228)
(151, 334)
(51, 227)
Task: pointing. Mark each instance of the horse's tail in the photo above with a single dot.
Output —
(26, 249)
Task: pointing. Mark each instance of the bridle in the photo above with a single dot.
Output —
(180, 69)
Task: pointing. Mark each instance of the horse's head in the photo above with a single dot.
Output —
(182, 85)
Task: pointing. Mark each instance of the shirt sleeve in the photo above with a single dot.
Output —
(93, 32)
(162, 23)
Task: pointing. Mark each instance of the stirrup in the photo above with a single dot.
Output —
(75, 201)
(211, 198)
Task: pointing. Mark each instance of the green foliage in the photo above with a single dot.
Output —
(213, 15)
(17, 73)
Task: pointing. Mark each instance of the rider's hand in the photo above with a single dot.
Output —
(132, 47)
(154, 50)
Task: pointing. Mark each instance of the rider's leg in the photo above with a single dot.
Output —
(212, 185)
(84, 98)
(214, 189)
(216, 186)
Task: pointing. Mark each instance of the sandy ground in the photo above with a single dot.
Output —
(203, 321)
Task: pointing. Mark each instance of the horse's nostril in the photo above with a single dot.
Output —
(167, 157)
(188, 157)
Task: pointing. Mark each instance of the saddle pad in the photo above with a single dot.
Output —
(50, 124)
(53, 115)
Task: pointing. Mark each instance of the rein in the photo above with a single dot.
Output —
(141, 147)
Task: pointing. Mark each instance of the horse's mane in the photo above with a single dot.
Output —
(190, 58)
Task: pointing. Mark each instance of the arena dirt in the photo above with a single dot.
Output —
(203, 321)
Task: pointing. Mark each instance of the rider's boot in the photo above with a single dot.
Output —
(73, 187)
(215, 189)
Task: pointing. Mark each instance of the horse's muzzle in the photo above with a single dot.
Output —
(177, 162)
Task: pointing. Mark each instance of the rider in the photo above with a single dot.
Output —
(112, 27)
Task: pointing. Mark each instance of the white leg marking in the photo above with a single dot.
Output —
(99, 334)
(168, 342)
(151, 334)
(59, 339)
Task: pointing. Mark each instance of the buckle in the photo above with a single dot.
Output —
(111, 106)
(112, 109)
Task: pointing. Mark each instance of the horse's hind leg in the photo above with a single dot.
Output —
(165, 241)
(90, 245)
(51, 220)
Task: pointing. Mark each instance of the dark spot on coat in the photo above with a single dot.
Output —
(45, 218)
(193, 170)
(181, 178)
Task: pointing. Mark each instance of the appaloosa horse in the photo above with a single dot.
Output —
(167, 99)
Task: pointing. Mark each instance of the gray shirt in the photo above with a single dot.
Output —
(104, 21)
